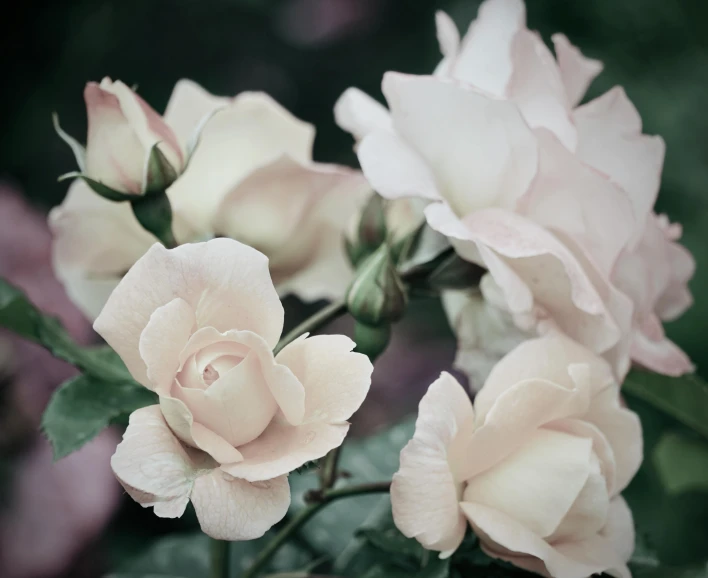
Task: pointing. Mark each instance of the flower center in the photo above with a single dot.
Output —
(210, 374)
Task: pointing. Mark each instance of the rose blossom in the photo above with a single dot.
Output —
(251, 177)
(197, 325)
(543, 193)
(122, 129)
(536, 467)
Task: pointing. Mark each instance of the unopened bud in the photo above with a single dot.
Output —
(377, 296)
(370, 232)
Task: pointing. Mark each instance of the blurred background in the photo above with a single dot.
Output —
(305, 53)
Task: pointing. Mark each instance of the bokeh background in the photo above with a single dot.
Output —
(305, 53)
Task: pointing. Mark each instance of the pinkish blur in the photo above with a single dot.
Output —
(51, 512)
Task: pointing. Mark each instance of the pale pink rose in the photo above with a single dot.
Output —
(250, 177)
(544, 194)
(536, 467)
(197, 325)
(655, 275)
(122, 129)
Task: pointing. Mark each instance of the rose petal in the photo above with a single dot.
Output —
(226, 283)
(163, 339)
(554, 467)
(485, 59)
(619, 529)
(623, 431)
(504, 424)
(424, 493)
(153, 467)
(499, 529)
(394, 169)
(569, 196)
(188, 106)
(532, 266)
(335, 379)
(479, 149)
(662, 356)
(232, 509)
(282, 448)
(251, 132)
(359, 114)
(537, 88)
(449, 41)
(610, 139)
(181, 422)
(577, 70)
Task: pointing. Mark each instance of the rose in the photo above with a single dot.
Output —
(197, 325)
(544, 194)
(536, 467)
(122, 130)
(250, 177)
(655, 275)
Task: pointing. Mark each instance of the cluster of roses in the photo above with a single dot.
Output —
(553, 200)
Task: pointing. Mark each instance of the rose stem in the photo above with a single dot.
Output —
(219, 554)
(313, 323)
(322, 497)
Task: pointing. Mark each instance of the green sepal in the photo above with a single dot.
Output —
(99, 188)
(159, 173)
(154, 213)
(76, 147)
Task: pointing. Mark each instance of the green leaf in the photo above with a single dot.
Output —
(391, 541)
(684, 398)
(83, 406)
(681, 461)
(19, 315)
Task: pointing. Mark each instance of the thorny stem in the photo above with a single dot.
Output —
(313, 323)
(318, 499)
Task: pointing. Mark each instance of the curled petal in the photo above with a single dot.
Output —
(226, 283)
(231, 509)
(577, 70)
(163, 339)
(153, 467)
(359, 114)
(662, 355)
(424, 492)
(282, 448)
(335, 379)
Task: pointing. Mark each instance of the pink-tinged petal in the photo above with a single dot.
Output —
(449, 41)
(662, 355)
(114, 154)
(249, 133)
(577, 70)
(485, 58)
(424, 492)
(600, 446)
(276, 208)
(569, 196)
(623, 431)
(163, 339)
(506, 423)
(152, 465)
(335, 379)
(285, 388)
(619, 529)
(480, 150)
(359, 114)
(537, 88)
(596, 550)
(610, 139)
(539, 276)
(188, 106)
(238, 406)
(182, 424)
(233, 509)
(676, 297)
(554, 467)
(148, 126)
(95, 242)
(394, 169)
(226, 283)
(282, 448)
(553, 357)
(506, 538)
